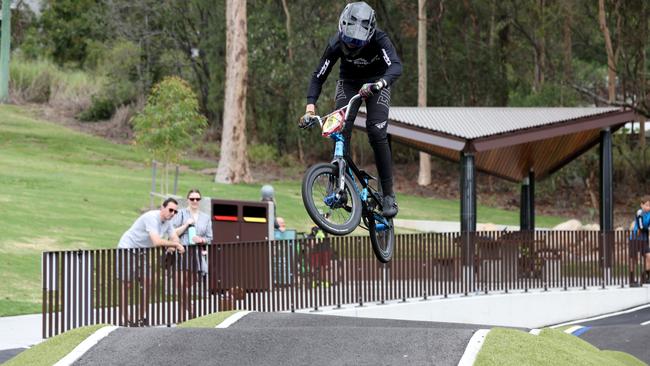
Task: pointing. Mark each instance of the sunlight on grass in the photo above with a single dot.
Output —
(207, 321)
(53, 349)
(506, 347)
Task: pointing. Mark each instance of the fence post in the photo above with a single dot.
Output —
(176, 180)
(5, 50)
(153, 182)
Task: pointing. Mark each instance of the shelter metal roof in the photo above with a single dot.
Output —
(472, 123)
(506, 142)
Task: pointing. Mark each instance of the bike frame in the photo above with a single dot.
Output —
(345, 162)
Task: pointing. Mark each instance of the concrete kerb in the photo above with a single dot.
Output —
(232, 319)
(473, 347)
(532, 309)
(85, 345)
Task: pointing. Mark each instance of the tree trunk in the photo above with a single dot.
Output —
(233, 163)
(424, 175)
(611, 61)
(642, 76)
(568, 41)
(470, 37)
(540, 50)
(285, 7)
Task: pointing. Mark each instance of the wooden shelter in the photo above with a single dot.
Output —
(518, 144)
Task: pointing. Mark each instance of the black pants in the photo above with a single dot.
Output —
(377, 108)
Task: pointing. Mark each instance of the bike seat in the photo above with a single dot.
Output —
(365, 175)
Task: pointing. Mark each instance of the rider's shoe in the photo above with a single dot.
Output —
(389, 206)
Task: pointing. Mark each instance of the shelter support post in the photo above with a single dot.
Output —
(527, 205)
(606, 200)
(467, 216)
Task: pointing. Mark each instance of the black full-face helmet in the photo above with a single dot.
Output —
(356, 26)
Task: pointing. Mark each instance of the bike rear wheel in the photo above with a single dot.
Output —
(382, 235)
(335, 216)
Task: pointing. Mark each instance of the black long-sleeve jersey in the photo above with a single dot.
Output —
(378, 59)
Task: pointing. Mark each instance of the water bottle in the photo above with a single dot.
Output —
(191, 232)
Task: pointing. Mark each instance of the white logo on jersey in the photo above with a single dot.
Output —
(360, 62)
(323, 69)
(381, 125)
(386, 57)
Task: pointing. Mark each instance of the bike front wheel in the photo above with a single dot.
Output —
(336, 214)
(382, 236)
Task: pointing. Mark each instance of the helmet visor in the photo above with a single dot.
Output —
(353, 42)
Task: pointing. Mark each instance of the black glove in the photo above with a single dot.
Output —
(307, 120)
(369, 89)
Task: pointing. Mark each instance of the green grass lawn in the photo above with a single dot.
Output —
(52, 350)
(207, 321)
(64, 190)
(505, 347)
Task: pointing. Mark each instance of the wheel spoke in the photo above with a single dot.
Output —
(324, 186)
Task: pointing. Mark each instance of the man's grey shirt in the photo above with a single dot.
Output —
(138, 235)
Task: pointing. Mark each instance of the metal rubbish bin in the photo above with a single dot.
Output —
(234, 221)
(241, 231)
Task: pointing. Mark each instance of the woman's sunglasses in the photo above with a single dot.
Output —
(194, 199)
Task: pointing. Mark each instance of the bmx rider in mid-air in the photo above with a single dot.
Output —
(369, 66)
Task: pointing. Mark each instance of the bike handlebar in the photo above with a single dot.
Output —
(320, 119)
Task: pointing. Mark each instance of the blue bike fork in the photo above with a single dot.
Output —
(338, 157)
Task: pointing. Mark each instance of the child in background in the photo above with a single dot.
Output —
(639, 242)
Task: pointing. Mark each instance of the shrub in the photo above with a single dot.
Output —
(210, 150)
(74, 90)
(118, 65)
(262, 153)
(101, 107)
(30, 80)
(170, 121)
(40, 81)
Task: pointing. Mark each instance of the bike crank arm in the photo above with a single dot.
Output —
(381, 224)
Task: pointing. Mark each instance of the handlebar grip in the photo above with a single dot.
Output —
(308, 122)
(379, 85)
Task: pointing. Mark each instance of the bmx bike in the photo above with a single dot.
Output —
(339, 195)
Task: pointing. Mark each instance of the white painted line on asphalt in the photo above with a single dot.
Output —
(572, 329)
(535, 331)
(602, 316)
(646, 323)
(232, 319)
(473, 347)
(84, 346)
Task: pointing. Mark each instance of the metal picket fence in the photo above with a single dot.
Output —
(149, 287)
